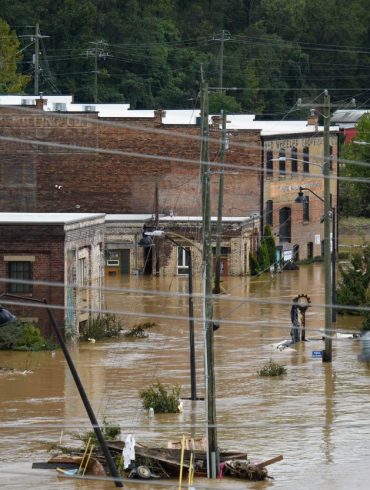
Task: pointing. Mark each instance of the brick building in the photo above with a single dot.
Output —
(39, 249)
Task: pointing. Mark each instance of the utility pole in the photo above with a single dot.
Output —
(327, 355)
(156, 241)
(217, 288)
(37, 60)
(98, 51)
(212, 449)
(222, 37)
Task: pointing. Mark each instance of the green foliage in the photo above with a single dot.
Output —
(23, 337)
(156, 48)
(138, 331)
(111, 432)
(253, 265)
(354, 283)
(10, 80)
(272, 368)
(161, 399)
(263, 257)
(269, 240)
(355, 196)
(102, 326)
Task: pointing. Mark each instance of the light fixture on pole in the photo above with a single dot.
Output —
(330, 263)
(147, 241)
(6, 318)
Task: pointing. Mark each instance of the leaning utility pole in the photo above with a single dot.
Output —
(212, 449)
(217, 288)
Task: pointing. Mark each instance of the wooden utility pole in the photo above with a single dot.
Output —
(327, 355)
(212, 449)
(37, 60)
(217, 288)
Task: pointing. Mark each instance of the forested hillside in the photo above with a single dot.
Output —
(150, 53)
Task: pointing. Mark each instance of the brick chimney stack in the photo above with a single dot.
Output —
(216, 122)
(40, 103)
(159, 114)
(313, 119)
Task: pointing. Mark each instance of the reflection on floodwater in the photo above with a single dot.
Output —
(315, 416)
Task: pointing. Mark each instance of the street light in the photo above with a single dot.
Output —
(6, 318)
(146, 241)
(329, 261)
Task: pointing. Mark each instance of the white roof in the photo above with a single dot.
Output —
(199, 218)
(46, 218)
(128, 217)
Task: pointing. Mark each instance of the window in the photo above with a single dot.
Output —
(285, 225)
(269, 212)
(310, 250)
(270, 164)
(21, 271)
(306, 160)
(82, 272)
(296, 253)
(282, 160)
(182, 261)
(306, 208)
(331, 157)
(294, 160)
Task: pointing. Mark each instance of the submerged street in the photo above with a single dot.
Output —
(316, 415)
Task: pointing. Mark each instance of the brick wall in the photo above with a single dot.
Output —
(46, 245)
(116, 183)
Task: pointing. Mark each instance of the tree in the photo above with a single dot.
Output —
(11, 82)
(270, 244)
(354, 195)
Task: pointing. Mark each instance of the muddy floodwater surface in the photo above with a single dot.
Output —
(317, 415)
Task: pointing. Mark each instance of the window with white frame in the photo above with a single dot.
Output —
(182, 261)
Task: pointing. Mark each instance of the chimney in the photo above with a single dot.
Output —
(159, 114)
(312, 119)
(216, 122)
(40, 103)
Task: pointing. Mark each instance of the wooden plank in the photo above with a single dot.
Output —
(269, 461)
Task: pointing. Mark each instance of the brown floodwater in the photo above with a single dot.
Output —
(316, 416)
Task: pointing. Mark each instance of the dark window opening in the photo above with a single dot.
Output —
(270, 164)
(282, 160)
(310, 250)
(306, 208)
(296, 253)
(285, 225)
(306, 160)
(269, 212)
(294, 160)
(21, 271)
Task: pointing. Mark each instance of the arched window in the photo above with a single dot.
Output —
(285, 225)
(282, 161)
(293, 156)
(269, 164)
(269, 212)
(306, 160)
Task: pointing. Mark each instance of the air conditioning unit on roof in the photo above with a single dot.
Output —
(60, 106)
(89, 108)
(28, 102)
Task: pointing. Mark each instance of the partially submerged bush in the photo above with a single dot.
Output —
(138, 331)
(23, 337)
(111, 432)
(102, 326)
(272, 368)
(161, 399)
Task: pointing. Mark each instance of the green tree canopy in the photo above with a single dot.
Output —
(11, 82)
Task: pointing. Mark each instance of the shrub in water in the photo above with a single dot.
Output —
(138, 331)
(272, 368)
(161, 399)
(24, 337)
(102, 326)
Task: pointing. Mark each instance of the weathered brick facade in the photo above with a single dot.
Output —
(55, 251)
(115, 174)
